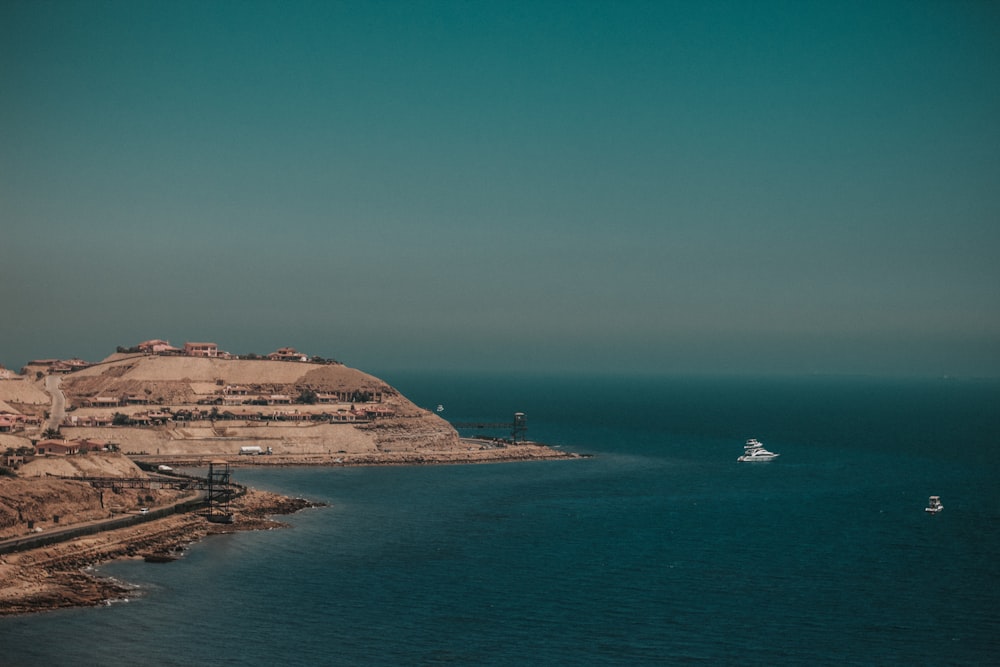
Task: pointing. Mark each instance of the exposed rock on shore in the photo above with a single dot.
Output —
(55, 577)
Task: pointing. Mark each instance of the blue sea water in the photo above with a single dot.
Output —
(660, 549)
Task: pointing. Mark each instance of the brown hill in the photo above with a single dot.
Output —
(169, 380)
(371, 417)
(23, 394)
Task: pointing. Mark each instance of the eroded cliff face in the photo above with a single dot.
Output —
(41, 501)
(93, 464)
(38, 497)
(427, 432)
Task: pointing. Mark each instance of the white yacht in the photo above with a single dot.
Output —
(934, 505)
(753, 450)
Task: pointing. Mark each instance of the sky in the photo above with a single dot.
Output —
(656, 187)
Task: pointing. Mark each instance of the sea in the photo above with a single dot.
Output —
(657, 548)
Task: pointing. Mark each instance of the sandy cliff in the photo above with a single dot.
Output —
(41, 500)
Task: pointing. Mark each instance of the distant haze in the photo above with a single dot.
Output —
(721, 187)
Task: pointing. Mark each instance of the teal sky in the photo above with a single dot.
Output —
(675, 187)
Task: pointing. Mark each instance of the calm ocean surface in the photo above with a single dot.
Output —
(661, 549)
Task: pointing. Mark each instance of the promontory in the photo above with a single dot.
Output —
(87, 448)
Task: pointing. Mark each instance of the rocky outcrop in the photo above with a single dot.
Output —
(53, 577)
(41, 500)
(421, 433)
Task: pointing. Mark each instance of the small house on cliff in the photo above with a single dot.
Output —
(287, 354)
(201, 349)
(57, 447)
(7, 424)
(158, 346)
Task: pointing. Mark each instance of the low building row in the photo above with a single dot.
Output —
(212, 351)
(60, 447)
(239, 395)
(364, 413)
(58, 365)
(12, 422)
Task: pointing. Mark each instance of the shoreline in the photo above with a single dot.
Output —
(58, 576)
(475, 454)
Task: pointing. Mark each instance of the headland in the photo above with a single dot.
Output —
(69, 427)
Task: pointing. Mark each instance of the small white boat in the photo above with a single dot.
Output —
(934, 505)
(440, 408)
(753, 450)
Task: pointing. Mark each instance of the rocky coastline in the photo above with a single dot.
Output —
(60, 575)
(143, 411)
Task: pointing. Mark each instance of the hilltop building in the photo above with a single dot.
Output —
(157, 346)
(201, 350)
(287, 354)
